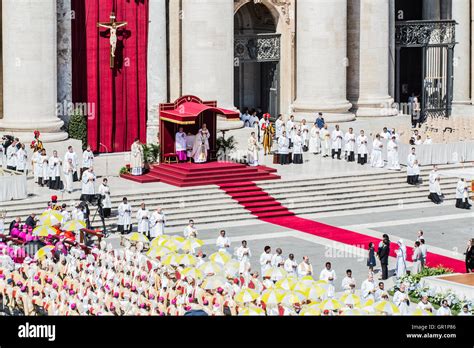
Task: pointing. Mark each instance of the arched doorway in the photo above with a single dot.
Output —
(257, 59)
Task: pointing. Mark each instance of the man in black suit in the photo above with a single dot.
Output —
(31, 220)
(383, 253)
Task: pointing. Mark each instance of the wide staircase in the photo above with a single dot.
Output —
(245, 200)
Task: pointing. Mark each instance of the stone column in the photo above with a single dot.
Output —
(29, 69)
(321, 46)
(157, 74)
(462, 62)
(208, 50)
(64, 58)
(368, 50)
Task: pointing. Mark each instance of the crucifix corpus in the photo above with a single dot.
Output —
(112, 26)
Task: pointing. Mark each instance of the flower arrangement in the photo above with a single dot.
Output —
(416, 290)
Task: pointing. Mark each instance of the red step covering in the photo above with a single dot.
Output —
(212, 173)
(275, 213)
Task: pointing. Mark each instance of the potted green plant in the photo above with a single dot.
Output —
(225, 147)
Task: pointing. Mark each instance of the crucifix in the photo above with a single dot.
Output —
(112, 26)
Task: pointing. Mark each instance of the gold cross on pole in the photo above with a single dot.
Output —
(112, 26)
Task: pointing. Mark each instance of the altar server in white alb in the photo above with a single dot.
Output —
(314, 140)
(124, 224)
(71, 154)
(462, 195)
(87, 159)
(413, 170)
(350, 145)
(244, 254)
(223, 242)
(143, 220)
(362, 149)
(266, 260)
(11, 156)
(104, 191)
(291, 129)
(376, 159)
(392, 154)
(336, 143)
(434, 186)
(298, 148)
(88, 185)
(283, 149)
(329, 275)
(325, 141)
(68, 170)
(54, 164)
(279, 125)
(37, 165)
(252, 150)
(157, 223)
(21, 159)
(180, 145)
(43, 170)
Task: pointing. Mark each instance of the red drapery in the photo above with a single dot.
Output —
(119, 95)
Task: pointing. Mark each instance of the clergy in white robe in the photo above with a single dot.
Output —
(416, 258)
(143, 220)
(462, 195)
(252, 150)
(336, 142)
(223, 242)
(71, 155)
(401, 300)
(290, 266)
(283, 149)
(157, 223)
(21, 158)
(413, 170)
(392, 155)
(325, 141)
(87, 159)
(68, 170)
(349, 148)
(124, 210)
(298, 148)
(277, 259)
(329, 275)
(11, 156)
(180, 145)
(291, 129)
(444, 310)
(362, 149)
(279, 125)
(88, 185)
(314, 140)
(243, 255)
(305, 269)
(266, 260)
(401, 255)
(37, 166)
(425, 305)
(190, 231)
(434, 186)
(44, 169)
(376, 159)
(54, 164)
(201, 145)
(138, 160)
(367, 288)
(104, 191)
(190, 138)
(348, 283)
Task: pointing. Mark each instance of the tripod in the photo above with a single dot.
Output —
(100, 211)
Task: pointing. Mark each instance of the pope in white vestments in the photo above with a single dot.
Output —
(201, 145)
(252, 150)
(68, 170)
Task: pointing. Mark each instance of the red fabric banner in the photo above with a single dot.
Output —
(118, 95)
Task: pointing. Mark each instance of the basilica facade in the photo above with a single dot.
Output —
(345, 58)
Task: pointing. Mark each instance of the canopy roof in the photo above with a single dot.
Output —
(188, 108)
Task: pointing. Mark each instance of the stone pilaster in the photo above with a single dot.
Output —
(65, 15)
(462, 64)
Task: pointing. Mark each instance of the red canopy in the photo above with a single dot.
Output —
(188, 108)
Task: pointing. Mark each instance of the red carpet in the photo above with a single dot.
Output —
(268, 209)
(212, 173)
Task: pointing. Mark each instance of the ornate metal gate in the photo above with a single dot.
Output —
(261, 48)
(437, 40)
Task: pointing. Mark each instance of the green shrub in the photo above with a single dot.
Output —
(151, 153)
(77, 128)
(124, 170)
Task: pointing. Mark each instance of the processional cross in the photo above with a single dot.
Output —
(112, 26)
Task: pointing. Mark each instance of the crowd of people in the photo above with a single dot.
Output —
(152, 278)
